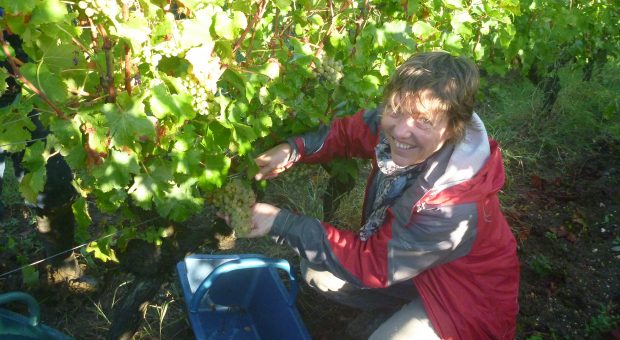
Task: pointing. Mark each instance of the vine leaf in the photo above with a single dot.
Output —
(143, 189)
(177, 105)
(136, 31)
(17, 7)
(15, 127)
(48, 12)
(3, 75)
(115, 172)
(34, 181)
(69, 137)
(214, 174)
(49, 83)
(82, 219)
(127, 126)
(179, 202)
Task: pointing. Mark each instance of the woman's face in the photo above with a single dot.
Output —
(414, 132)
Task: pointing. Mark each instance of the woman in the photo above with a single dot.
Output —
(433, 241)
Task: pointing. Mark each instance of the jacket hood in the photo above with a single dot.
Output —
(475, 169)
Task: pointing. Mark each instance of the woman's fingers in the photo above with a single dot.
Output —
(273, 162)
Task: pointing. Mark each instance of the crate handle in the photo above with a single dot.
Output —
(239, 264)
(33, 306)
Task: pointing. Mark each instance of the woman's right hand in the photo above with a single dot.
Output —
(274, 161)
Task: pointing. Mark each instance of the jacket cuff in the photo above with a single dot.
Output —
(282, 223)
(297, 145)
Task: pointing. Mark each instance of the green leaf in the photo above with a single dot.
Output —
(30, 276)
(193, 30)
(3, 85)
(270, 69)
(55, 53)
(136, 30)
(179, 202)
(14, 7)
(129, 126)
(49, 11)
(235, 79)
(412, 6)
(283, 5)
(69, 138)
(51, 84)
(143, 190)
(82, 219)
(33, 182)
(453, 3)
(215, 171)
(115, 172)
(223, 26)
(243, 135)
(177, 105)
(423, 30)
(15, 127)
(102, 251)
(216, 137)
(239, 21)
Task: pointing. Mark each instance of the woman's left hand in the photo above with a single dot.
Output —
(263, 216)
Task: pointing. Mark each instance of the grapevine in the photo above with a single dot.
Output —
(151, 101)
(234, 201)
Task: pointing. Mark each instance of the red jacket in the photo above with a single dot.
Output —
(446, 233)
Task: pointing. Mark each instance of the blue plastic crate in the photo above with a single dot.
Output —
(17, 326)
(240, 297)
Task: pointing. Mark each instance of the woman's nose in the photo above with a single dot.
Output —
(404, 127)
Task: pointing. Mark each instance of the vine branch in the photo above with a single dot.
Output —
(257, 16)
(108, 80)
(31, 86)
(127, 52)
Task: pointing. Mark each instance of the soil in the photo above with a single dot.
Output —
(566, 222)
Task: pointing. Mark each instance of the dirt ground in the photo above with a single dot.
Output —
(566, 222)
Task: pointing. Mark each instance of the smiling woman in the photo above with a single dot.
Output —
(434, 256)
(414, 136)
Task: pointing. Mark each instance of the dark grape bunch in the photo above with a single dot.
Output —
(330, 69)
(234, 201)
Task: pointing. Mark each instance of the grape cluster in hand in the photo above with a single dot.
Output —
(234, 201)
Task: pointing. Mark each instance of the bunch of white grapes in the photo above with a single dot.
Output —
(93, 7)
(330, 69)
(200, 95)
(234, 201)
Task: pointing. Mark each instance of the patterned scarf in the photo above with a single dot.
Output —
(392, 182)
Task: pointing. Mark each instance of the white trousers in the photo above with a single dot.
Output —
(408, 322)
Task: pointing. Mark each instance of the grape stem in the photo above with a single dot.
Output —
(257, 16)
(360, 22)
(20, 77)
(127, 53)
(108, 80)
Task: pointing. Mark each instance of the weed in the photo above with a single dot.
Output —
(603, 322)
(541, 265)
(551, 236)
(10, 187)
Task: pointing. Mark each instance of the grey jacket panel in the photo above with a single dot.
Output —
(434, 236)
(307, 238)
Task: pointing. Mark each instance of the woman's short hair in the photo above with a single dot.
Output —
(446, 83)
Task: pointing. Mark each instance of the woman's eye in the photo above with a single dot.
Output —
(424, 122)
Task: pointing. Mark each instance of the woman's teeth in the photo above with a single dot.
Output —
(402, 146)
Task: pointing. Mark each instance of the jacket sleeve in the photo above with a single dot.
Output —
(409, 242)
(349, 137)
